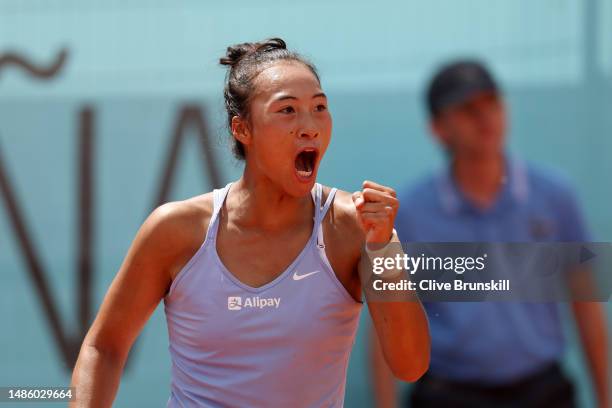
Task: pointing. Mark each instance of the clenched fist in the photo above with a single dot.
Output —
(376, 209)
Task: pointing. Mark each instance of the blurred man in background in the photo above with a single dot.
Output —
(491, 354)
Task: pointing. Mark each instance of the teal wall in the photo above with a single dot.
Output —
(137, 62)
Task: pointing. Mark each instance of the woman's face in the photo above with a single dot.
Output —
(289, 127)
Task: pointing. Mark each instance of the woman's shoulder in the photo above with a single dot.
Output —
(343, 216)
(178, 213)
(175, 230)
(181, 223)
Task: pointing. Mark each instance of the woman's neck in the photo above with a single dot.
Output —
(260, 204)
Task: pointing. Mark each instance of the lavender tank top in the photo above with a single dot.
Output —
(284, 344)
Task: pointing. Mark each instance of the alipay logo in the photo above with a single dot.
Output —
(234, 303)
(256, 302)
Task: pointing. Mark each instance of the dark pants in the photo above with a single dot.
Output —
(544, 389)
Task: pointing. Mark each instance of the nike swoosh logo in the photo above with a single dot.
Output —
(300, 277)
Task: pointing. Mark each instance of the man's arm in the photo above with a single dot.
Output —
(590, 319)
(590, 316)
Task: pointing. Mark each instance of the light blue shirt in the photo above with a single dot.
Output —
(492, 342)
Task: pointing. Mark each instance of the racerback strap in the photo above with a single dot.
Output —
(219, 195)
(320, 212)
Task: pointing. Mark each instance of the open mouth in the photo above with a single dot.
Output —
(305, 163)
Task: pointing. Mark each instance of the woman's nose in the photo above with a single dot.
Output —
(309, 134)
(308, 129)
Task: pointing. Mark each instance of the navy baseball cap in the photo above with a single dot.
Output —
(456, 82)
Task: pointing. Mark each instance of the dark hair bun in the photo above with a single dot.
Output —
(235, 53)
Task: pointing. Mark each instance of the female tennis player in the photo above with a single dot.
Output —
(260, 279)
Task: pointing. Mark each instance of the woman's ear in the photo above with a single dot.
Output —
(240, 130)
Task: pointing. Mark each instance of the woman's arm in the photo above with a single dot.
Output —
(403, 335)
(165, 241)
(401, 323)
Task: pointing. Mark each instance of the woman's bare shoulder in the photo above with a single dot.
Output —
(343, 218)
(200, 207)
(180, 217)
(175, 230)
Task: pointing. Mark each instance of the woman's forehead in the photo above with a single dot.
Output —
(286, 76)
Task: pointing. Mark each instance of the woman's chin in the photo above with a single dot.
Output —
(303, 184)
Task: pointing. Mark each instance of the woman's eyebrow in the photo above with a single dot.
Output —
(320, 94)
